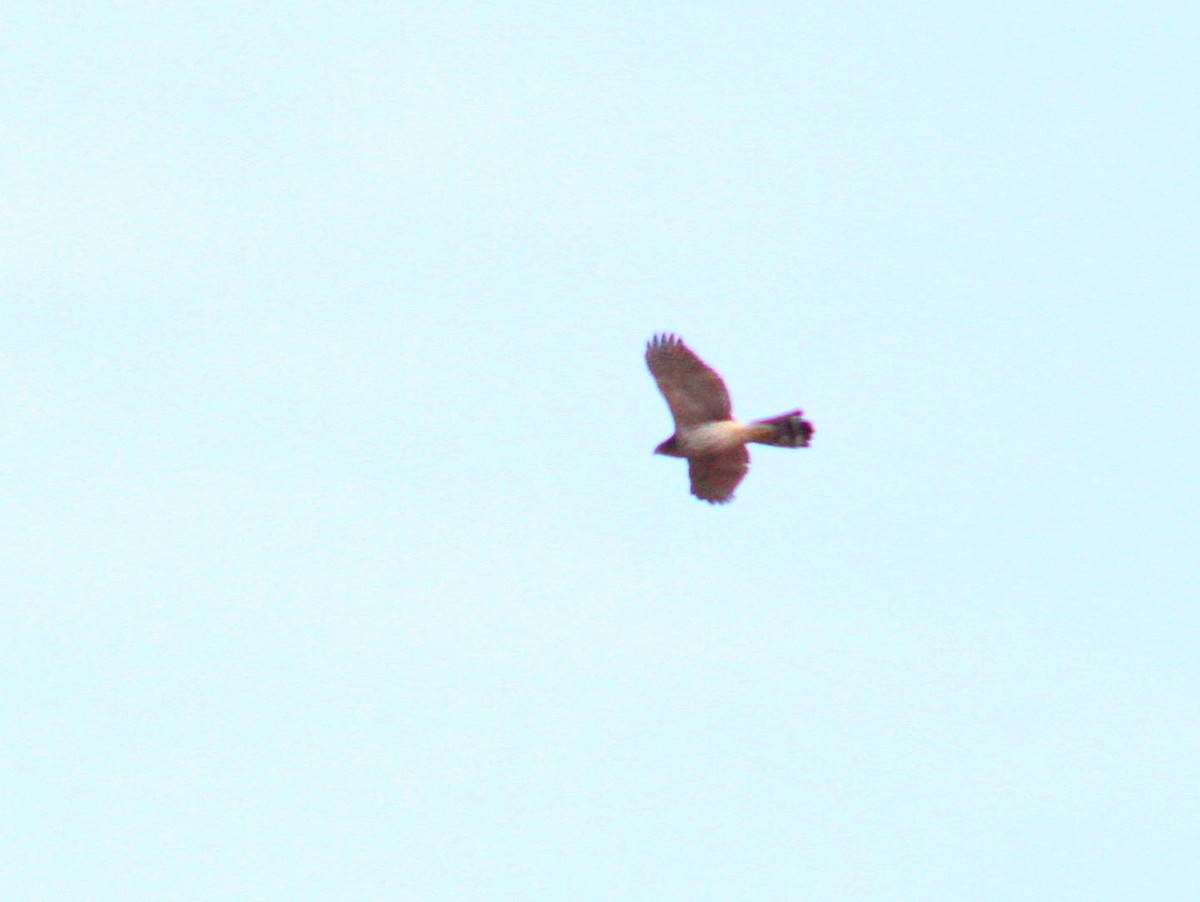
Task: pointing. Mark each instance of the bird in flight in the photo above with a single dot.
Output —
(706, 433)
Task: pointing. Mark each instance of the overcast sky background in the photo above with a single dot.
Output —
(336, 564)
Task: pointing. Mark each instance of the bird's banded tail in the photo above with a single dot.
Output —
(789, 430)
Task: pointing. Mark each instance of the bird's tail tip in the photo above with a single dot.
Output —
(788, 430)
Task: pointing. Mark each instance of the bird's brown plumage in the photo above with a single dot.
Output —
(694, 391)
(705, 431)
(715, 476)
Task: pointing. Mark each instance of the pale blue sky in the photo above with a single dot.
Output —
(337, 565)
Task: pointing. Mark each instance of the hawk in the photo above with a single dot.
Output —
(706, 433)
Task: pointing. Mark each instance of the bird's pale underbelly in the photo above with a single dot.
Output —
(711, 438)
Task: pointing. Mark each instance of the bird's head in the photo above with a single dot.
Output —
(670, 448)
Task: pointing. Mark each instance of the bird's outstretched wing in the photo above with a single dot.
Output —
(694, 392)
(715, 476)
